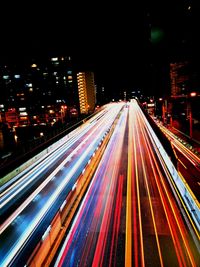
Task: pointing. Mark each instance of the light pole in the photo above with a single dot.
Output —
(164, 111)
(189, 109)
(62, 111)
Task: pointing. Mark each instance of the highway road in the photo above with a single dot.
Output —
(27, 223)
(97, 235)
(160, 235)
(17, 189)
(129, 216)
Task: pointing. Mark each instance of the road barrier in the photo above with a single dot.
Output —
(46, 249)
(187, 196)
(36, 159)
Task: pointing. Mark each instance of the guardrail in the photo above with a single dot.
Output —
(46, 150)
(31, 161)
(188, 198)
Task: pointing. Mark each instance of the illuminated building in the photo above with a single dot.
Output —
(86, 90)
(40, 88)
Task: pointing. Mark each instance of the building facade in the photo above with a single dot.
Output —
(184, 77)
(179, 77)
(87, 92)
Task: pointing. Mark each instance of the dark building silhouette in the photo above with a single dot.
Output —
(184, 77)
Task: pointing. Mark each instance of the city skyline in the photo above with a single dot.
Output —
(100, 133)
(119, 43)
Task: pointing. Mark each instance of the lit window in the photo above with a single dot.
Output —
(29, 85)
(54, 59)
(23, 114)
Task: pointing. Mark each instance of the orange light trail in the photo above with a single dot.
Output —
(149, 197)
(138, 191)
(103, 233)
(180, 227)
(128, 248)
(173, 233)
(116, 222)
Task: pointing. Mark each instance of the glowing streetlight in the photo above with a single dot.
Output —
(62, 111)
(192, 94)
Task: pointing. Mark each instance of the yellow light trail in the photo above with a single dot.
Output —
(134, 106)
(177, 191)
(162, 201)
(182, 163)
(128, 244)
(187, 247)
(149, 197)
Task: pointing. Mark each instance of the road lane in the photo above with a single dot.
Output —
(156, 233)
(33, 218)
(161, 220)
(129, 215)
(93, 237)
(17, 189)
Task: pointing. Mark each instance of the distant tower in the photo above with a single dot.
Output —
(86, 89)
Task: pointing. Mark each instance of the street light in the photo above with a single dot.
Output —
(192, 94)
(164, 110)
(62, 111)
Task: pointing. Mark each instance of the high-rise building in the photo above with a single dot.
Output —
(184, 78)
(86, 90)
(179, 77)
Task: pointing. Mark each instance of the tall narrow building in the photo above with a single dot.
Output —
(86, 89)
(179, 76)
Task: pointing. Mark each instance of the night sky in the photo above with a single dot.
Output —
(111, 39)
